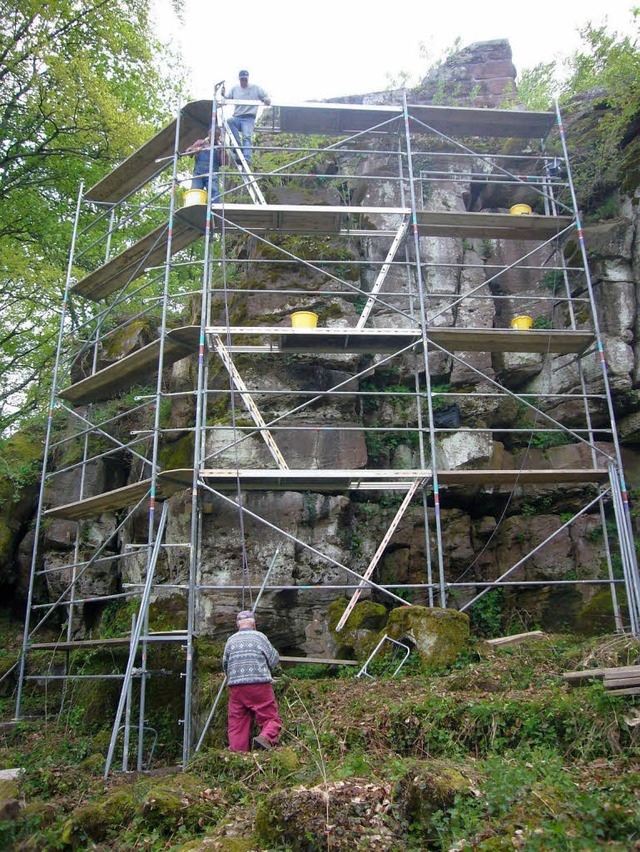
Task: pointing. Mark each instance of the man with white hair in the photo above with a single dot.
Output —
(248, 660)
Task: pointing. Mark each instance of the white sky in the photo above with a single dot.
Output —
(300, 50)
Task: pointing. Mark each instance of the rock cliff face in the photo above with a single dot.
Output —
(483, 533)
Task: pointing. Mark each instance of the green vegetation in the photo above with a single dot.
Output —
(82, 86)
(469, 755)
(606, 153)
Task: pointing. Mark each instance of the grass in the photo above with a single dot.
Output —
(523, 756)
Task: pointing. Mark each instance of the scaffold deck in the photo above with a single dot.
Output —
(131, 263)
(321, 481)
(141, 365)
(327, 119)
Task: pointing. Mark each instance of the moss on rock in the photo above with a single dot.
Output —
(596, 617)
(178, 454)
(361, 817)
(95, 820)
(428, 787)
(360, 633)
(132, 336)
(437, 634)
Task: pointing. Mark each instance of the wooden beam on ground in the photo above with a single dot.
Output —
(516, 639)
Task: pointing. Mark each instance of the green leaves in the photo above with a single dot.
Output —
(81, 86)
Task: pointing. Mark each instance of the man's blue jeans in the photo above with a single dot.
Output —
(242, 128)
(201, 174)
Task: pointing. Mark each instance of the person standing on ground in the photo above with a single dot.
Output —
(244, 117)
(248, 660)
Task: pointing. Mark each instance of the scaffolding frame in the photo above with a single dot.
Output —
(396, 316)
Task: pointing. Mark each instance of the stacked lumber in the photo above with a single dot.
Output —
(620, 680)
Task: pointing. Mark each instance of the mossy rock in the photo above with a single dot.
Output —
(360, 813)
(168, 613)
(101, 741)
(93, 765)
(428, 787)
(284, 760)
(162, 807)
(180, 799)
(178, 454)
(9, 788)
(96, 820)
(21, 455)
(208, 655)
(438, 635)
(132, 336)
(360, 633)
(596, 617)
(39, 814)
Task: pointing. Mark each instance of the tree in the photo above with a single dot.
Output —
(605, 73)
(80, 88)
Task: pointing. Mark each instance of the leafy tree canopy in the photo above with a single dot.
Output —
(607, 68)
(80, 88)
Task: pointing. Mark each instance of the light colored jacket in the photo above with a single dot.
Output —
(249, 657)
(251, 93)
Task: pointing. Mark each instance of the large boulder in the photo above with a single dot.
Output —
(438, 635)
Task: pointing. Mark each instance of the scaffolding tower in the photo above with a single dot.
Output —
(343, 215)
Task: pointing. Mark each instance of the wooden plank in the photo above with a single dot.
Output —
(490, 225)
(632, 690)
(510, 478)
(119, 642)
(294, 218)
(616, 682)
(168, 483)
(150, 250)
(585, 675)
(516, 639)
(346, 119)
(319, 661)
(320, 481)
(581, 677)
(331, 119)
(620, 670)
(141, 166)
(336, 480)
(383, 340)
(136, 368)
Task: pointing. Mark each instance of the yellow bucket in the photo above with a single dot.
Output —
(520, 210)
(304, 319)
(523, 322)
(194, 196)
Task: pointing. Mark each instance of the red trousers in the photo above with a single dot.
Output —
(245, 701)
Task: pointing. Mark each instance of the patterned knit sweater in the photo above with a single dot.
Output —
(248, 657)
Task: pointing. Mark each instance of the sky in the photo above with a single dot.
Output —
(301, 51)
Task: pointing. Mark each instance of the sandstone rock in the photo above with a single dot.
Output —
(360, 633)
(437, 634)
(465, 448)
(430, 786)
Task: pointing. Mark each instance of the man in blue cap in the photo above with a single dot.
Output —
(244, 117)
(248, 660)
